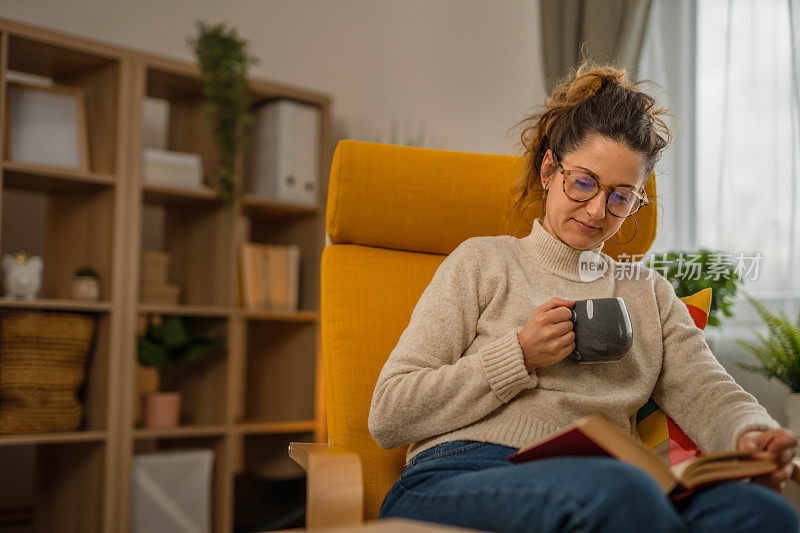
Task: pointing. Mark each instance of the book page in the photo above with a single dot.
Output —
(720, 466)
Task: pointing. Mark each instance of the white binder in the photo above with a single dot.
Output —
(283, 160)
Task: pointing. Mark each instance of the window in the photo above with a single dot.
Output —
(734, 169)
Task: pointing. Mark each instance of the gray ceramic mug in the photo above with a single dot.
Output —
(602, 330)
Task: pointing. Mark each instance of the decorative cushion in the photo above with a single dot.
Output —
(658, 431)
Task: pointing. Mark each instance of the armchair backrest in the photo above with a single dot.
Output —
(393, 214)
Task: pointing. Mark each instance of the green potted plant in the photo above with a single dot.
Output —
(703, 271)
(86, 284)
(224, 62)
(165, 343)
(778, 355)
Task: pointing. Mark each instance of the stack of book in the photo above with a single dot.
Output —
(269, 275)
(172, 169)
(155, 271)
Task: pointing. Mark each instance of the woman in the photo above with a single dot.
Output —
(476, 374)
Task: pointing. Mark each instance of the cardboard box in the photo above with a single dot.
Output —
(159, 293)
(172, 169)
(155, 266)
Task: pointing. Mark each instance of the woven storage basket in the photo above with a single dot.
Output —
(42, 366)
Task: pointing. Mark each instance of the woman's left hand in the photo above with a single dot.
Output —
(775, 445)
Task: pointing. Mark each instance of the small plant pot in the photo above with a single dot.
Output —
(162, 409)
(85, 288)
(147, 380)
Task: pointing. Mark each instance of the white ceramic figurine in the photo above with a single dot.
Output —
(22, 275)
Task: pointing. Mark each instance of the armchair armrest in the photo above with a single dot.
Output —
(335, 488)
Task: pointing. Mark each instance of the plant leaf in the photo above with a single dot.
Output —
(175, 334)
(151, 354)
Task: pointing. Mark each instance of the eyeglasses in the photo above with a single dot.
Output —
(582, 186)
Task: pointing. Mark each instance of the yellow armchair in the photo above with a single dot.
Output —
(393, 214)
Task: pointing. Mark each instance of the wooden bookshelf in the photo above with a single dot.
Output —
(245, 403)
(71, 218)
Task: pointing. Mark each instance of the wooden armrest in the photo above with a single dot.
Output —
(334, 487)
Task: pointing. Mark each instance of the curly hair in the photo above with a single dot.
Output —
(591, 100)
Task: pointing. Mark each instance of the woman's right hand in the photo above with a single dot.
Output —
(547, 337)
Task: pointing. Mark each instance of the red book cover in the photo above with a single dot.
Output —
(573, 442)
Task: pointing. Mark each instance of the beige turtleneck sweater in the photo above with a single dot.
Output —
(457, 370)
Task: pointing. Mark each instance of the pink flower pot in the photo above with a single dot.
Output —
(162, 409)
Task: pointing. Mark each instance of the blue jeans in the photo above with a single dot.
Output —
(472, 484)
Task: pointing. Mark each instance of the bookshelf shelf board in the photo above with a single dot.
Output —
(52, 438)
(255, 206)
(179, 432)
(263, 90)
(57, 57)
(185, 310)
(281, 316)
(164, 195)
(45, 304)
(41, 178)
(263, 428)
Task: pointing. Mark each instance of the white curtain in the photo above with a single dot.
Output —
(748, 139)
(730, 180)
(667, 59)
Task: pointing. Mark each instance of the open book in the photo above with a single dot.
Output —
(595, 435)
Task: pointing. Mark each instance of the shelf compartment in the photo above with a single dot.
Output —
(199, 243)
(49, 179)
(52, 438)
(264, 467)
(267, 455)
(188, 130)
(202, 383)
(280, 371)
(220, 484)
(304, 232)
(175, 81)
(93, 395)
(97, 74)
(48, 304)
(69, 230)
(55, 487)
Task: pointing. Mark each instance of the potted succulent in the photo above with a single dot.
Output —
(779, 355)
(86, 284)
(165, 343)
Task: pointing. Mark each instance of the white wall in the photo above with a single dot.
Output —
(466, 71)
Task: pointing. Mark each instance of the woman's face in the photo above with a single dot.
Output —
(613, 164)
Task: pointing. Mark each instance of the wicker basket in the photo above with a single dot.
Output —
(42, 366)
